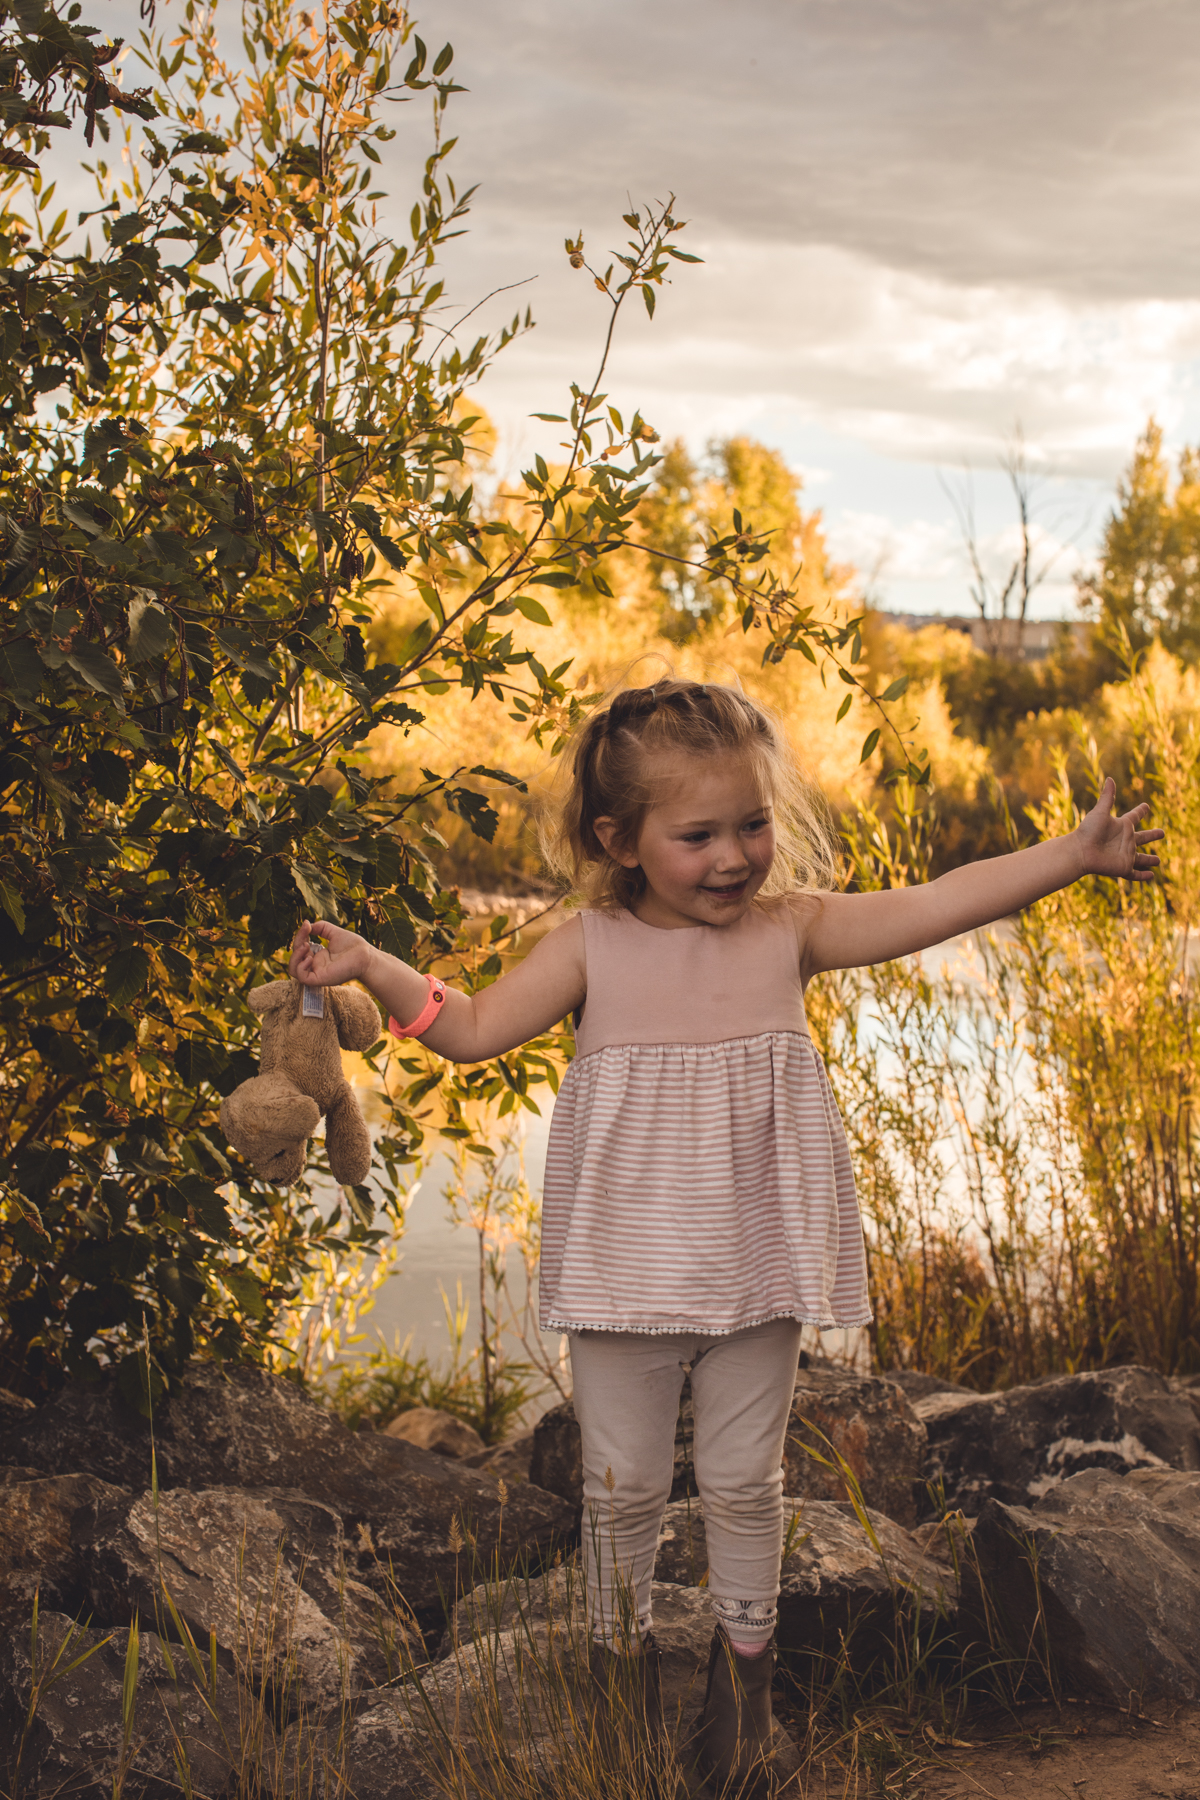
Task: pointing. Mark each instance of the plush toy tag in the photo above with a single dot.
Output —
(314, 1004)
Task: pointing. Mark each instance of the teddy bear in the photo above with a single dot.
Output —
(271, 1117)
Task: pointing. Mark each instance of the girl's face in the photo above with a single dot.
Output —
(705, 849)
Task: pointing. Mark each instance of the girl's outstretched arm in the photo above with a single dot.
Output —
(550, 983)
(847, 931)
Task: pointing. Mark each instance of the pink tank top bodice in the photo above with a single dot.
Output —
(696, 986)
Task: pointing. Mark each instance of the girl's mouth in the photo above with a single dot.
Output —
(730, 892)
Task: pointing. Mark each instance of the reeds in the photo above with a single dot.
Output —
(1023, 1121)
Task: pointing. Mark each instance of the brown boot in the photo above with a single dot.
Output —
(628, 1689)
(631, 1729)
(736, 1725)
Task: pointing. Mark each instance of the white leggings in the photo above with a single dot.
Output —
(626, 1392)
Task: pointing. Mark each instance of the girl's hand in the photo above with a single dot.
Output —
(1113, 846)
(341, 957)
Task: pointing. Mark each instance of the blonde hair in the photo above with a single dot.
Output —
(611, 776)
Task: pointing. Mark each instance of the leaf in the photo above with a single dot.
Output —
(198, 1060)
(10, 901)
(126, 974)
(844, 708)
(109, 775)
(898, 687)
(869, 743)
(479, 814)
(362, 1204)
(315, 890)
(202, 143)
(648, 297)
(98, 670)
(79, 514)
(21, 668)
(40, 1168)
(151, 633)
(501, 775)
(223, 754)
(531, 608)
(246, 1291)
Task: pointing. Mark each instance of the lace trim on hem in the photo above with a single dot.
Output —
(553, 1324)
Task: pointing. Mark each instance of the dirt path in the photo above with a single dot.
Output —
(1080, 1753)
(1076, 1753)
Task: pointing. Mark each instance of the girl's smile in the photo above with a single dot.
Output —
(705, 849)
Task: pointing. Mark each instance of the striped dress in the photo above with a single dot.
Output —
(697, 1176)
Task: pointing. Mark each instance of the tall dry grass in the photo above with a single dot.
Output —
(1023, 1116)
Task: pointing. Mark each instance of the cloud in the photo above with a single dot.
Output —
(922, 221)
(885, 552)
(1044, 141)
(907, 365)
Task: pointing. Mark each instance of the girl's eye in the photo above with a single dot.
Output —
(756, 825)
(696, 837)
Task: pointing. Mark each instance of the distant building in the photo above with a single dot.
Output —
(1029, 642)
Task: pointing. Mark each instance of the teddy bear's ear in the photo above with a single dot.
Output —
(269, 998)
(357, 1017)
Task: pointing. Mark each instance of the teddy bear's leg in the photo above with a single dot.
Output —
(347, 1140)
(269, 1106)
(270, 1122)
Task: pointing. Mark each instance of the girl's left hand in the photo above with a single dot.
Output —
(342, 956)
(1113, 846)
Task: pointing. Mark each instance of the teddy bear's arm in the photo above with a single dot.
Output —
(357, 1017)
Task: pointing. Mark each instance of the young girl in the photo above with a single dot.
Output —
(699, 1204)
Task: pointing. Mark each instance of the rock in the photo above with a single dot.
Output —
(869, 1422)
(918, 1386)
(37, 1554)
(557, 1460)
(243, 1428)
(431, 1429)
(265, 1572)
(1117, 1562)
(75, 1742)
(1018, 1445)
(510, 1461)
(835, 1581)
(13, 1409)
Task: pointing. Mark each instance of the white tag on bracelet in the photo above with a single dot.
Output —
(314, 1004)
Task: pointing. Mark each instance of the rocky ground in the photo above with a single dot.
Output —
(292, 1578)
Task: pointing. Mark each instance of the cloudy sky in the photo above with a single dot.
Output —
(925, 224)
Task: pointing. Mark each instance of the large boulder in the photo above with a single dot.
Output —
(76, 1742)
(262, 1575)
(403, 1509)
(1105, 1572)
(37, 1550)
(510, 1461)
(839, 1579)
(877, 1436)
(1017, 1446)
(557, 1460)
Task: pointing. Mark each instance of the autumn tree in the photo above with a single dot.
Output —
(1148, 579)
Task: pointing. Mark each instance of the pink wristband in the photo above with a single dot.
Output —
(427, 1014)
